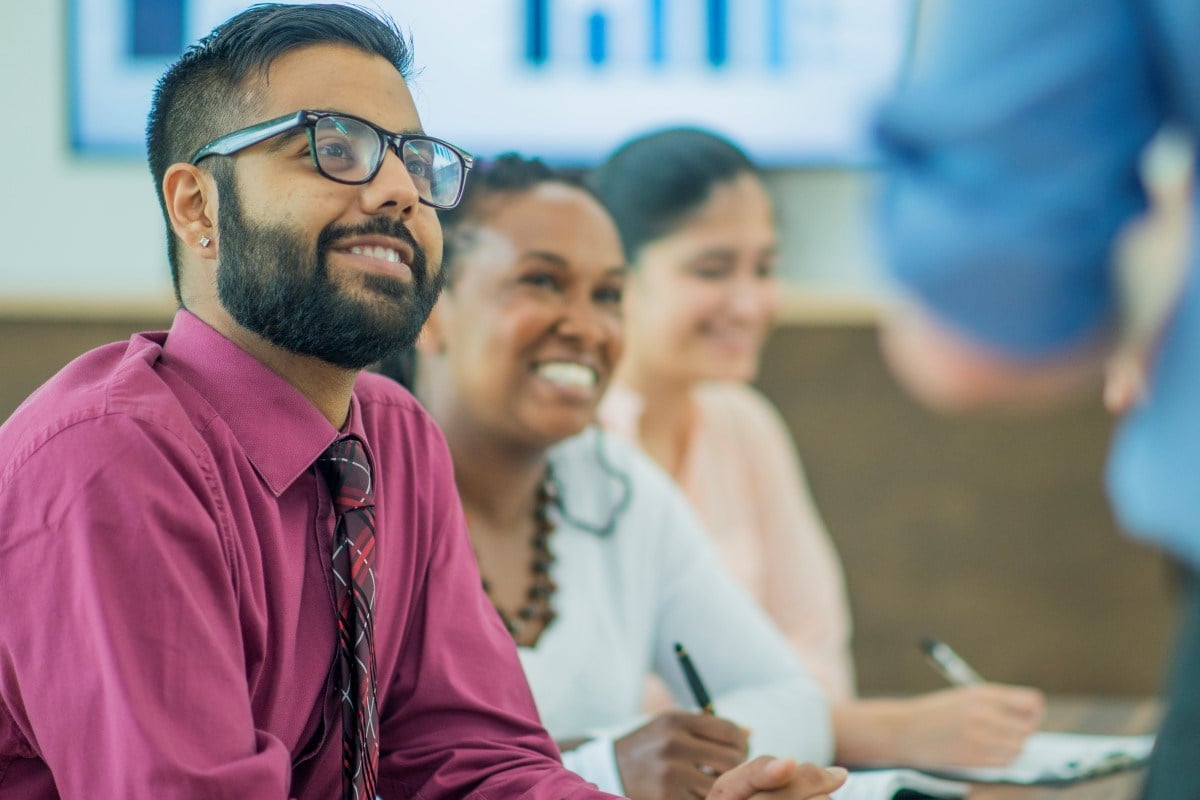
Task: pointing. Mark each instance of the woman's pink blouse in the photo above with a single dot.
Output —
(741, 471)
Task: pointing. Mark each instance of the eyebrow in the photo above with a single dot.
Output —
(284, 138)
(554, 259)
(417, 131)
(731, 252)
(714, 253)
(277, 143)
(545, 255)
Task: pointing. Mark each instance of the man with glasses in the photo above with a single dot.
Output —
(232, 564)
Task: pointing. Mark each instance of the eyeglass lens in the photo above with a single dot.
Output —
(349, 150)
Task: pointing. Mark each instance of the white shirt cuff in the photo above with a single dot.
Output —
(596, 761)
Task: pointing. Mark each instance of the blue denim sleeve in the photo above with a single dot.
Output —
(1013, 154)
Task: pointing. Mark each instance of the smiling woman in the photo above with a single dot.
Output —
(593, 559)
(533, 324)
(699, 232)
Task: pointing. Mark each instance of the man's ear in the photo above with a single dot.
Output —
(190, 197)
(432, 340)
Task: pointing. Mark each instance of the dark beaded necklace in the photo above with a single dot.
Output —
(538, 606)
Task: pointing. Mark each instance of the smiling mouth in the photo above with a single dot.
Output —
(568, 374)
(381, 253)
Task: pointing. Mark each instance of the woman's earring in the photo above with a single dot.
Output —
(205, 241)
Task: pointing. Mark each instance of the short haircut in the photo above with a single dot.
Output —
(654, 182)
(208, 93)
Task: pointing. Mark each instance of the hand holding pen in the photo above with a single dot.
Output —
(680, 751)
(976, 723)
(781, 777)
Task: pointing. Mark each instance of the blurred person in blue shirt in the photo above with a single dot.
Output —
(1015, 152)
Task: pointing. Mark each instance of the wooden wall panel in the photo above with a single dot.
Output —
(991, 533)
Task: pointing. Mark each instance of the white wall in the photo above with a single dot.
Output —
(85, 236)
(80, 232)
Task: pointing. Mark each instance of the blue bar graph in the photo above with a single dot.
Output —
(718, 29)
(537, 31)
(156, 28)
(597, 32)
(775, 28)
(658, 32)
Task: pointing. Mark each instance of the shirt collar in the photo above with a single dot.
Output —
(279, 430)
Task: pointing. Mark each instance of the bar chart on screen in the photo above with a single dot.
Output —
(793, 81)
(771, 35)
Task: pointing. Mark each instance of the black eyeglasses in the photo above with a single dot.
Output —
(351, 150)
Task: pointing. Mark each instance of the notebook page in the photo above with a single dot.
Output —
(1055, 757)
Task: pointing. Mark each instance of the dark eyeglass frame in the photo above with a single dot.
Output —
(240, 139)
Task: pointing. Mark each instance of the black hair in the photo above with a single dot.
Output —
(508, 174)
(655, 181)
(205, 94)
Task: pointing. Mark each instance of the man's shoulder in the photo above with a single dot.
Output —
(100, 396)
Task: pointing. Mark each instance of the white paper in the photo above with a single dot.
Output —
(883, 784)
(1061, 757)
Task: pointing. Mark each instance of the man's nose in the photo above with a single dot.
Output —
(392, 190)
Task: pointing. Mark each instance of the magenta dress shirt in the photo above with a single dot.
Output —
(167, 622)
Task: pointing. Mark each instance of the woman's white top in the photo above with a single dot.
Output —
(644, 578)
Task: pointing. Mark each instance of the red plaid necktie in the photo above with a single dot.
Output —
(348, 471)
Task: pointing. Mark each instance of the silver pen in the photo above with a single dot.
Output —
(949, 663)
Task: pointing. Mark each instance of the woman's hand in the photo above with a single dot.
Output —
(680, 755)
(778, 779)
(970, 726)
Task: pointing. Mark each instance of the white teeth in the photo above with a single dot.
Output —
(567, 373)
(384, 253)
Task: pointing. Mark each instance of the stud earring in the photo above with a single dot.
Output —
(205, 241)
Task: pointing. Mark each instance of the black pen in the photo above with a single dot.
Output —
(693, 680)
(949, 663)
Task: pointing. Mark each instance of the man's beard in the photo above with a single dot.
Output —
(275, 286)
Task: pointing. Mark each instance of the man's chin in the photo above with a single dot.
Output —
(388, 316)
(394, 286)
(353, 340)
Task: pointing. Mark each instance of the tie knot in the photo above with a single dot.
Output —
(347, 470)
